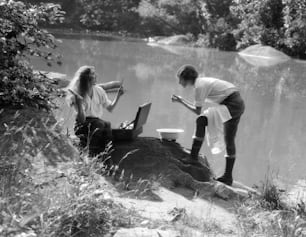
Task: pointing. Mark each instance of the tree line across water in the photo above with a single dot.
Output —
(223, 24)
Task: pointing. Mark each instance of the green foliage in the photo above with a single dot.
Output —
(72, 9)
(295, 27)
(218, 25)
(277, 23)
(109, 15)
(210, 21)
(249, 28)
(183, 16)
(21, 38)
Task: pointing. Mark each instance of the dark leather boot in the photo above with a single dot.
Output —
(227, 177)
(195, 149)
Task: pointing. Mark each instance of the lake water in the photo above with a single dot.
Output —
(272, 132)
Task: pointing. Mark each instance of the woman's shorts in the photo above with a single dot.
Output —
(235, 104)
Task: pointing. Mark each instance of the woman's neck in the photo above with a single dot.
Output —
(90, 92)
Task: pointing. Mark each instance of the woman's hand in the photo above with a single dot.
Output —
(77, 96)
(115, 101)
(176, 98)
(120, 90)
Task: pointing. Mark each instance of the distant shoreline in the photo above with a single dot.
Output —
(94, 35)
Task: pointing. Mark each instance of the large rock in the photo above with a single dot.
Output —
(263, 56)
(153, 156)
(168, 161)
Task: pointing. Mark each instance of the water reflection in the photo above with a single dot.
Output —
(272, 130)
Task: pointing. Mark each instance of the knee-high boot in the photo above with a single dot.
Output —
(198, 138)
(195, 149)
(227, 177)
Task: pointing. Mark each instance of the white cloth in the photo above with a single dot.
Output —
(216, 116)
(93, 107)
(209, 89)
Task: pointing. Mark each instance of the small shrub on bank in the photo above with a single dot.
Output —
(270, 195)
(267, 215)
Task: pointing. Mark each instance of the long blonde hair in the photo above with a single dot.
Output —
(80, 81)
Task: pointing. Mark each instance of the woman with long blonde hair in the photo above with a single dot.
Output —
(89, 100)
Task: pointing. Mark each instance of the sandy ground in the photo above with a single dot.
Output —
(181, 211)
(177, 209)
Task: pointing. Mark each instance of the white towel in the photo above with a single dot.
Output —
(216, 116)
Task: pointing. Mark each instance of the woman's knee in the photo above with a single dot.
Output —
(201, 121)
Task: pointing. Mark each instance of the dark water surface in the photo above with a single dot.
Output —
(272, 133)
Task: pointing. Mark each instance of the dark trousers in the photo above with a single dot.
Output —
(236, 107)
(94, 134)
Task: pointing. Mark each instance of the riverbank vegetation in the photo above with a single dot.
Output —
(223, 24)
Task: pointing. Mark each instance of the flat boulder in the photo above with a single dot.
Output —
(263, 55)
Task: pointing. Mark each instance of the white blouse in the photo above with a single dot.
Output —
(212, 90)
(93, 107)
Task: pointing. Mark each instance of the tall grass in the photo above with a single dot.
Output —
(268, 215)
(270, 194)
(71, 204)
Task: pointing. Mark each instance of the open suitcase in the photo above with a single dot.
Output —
(131, 130)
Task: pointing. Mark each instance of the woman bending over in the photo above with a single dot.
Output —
(228, 108)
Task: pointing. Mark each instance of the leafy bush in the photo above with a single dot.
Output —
(20, 38)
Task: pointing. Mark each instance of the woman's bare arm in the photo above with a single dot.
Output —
(187, 104)
(115, 101)
(110, 85)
